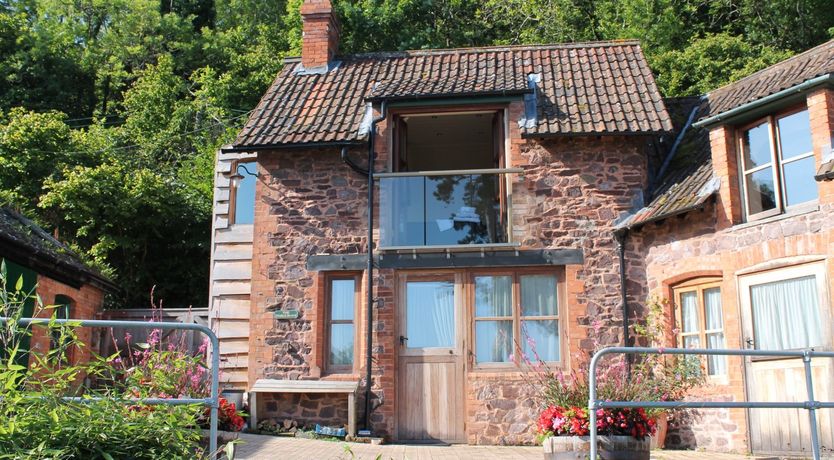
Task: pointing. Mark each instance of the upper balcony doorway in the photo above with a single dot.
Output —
(447, 187)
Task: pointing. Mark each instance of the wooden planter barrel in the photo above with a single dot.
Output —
(609, 448)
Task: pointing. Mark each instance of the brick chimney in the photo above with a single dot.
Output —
(320, 38)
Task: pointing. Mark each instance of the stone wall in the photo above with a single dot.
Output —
(572, 192)
(501, 409)
(305, 409)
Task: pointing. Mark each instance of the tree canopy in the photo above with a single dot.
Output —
(111, 110)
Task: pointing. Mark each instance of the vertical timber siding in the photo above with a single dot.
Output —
(230, 278)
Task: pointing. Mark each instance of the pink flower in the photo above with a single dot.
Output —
(154, 337)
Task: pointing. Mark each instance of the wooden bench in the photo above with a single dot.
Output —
(304, 386)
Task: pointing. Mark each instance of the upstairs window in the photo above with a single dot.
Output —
(777, 164)
(243, 187)
(447, 186)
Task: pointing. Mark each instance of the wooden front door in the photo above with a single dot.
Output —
(786, 310)
(431, 378)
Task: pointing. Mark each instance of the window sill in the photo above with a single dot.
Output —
(340, 376)
(800, 210)
(509, 369)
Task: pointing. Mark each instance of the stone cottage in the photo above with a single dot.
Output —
(400, 226)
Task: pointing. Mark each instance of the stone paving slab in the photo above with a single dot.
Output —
(257, 447)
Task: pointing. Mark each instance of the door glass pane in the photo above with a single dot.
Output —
(716, 365)
(430, 314)
(786, 314)
(538, 295)
(761, 193)
(800, 185)
(541, 340)
(341, 344)
(342, 298)
(493, 296)
(795, 134)
(493, 341)
(755, 146)
(689, 312)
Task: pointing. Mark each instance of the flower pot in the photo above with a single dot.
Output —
(659, 438)
(608, 447)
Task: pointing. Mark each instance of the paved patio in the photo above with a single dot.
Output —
(255, 447)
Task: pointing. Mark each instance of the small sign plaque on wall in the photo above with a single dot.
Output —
(286, 314)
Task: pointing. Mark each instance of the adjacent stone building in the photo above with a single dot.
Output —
(508, 184)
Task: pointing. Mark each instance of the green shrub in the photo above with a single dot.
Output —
(36, 422)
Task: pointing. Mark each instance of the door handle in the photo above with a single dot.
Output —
(749, 342)
(403, 340)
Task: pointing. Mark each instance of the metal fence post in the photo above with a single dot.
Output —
(812, 404)
(592, 401)
(213, 401)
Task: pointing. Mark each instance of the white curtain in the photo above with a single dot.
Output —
(689, 312)
(493, 298)
(430, 316)
(538, 295)
(716, 365)
(786, 314)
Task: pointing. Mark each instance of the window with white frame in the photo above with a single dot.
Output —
(516, 304)
(776, 164)
(700, 318)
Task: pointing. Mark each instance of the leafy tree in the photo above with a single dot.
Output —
(111, 110)
(33, 148)
(143, 227)
(711, 62)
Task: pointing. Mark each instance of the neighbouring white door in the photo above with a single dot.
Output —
(786, 309)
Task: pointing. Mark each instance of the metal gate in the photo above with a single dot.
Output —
(811, 405)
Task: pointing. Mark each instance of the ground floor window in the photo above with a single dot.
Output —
(700, 318)
(516, 312)
(342, 301)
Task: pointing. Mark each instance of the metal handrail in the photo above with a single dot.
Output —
(811, 405)
(449, 172)
(213, 401)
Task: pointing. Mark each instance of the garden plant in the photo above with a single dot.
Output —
(37, 422)
(563, 396)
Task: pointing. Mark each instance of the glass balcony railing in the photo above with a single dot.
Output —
(443, 208)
